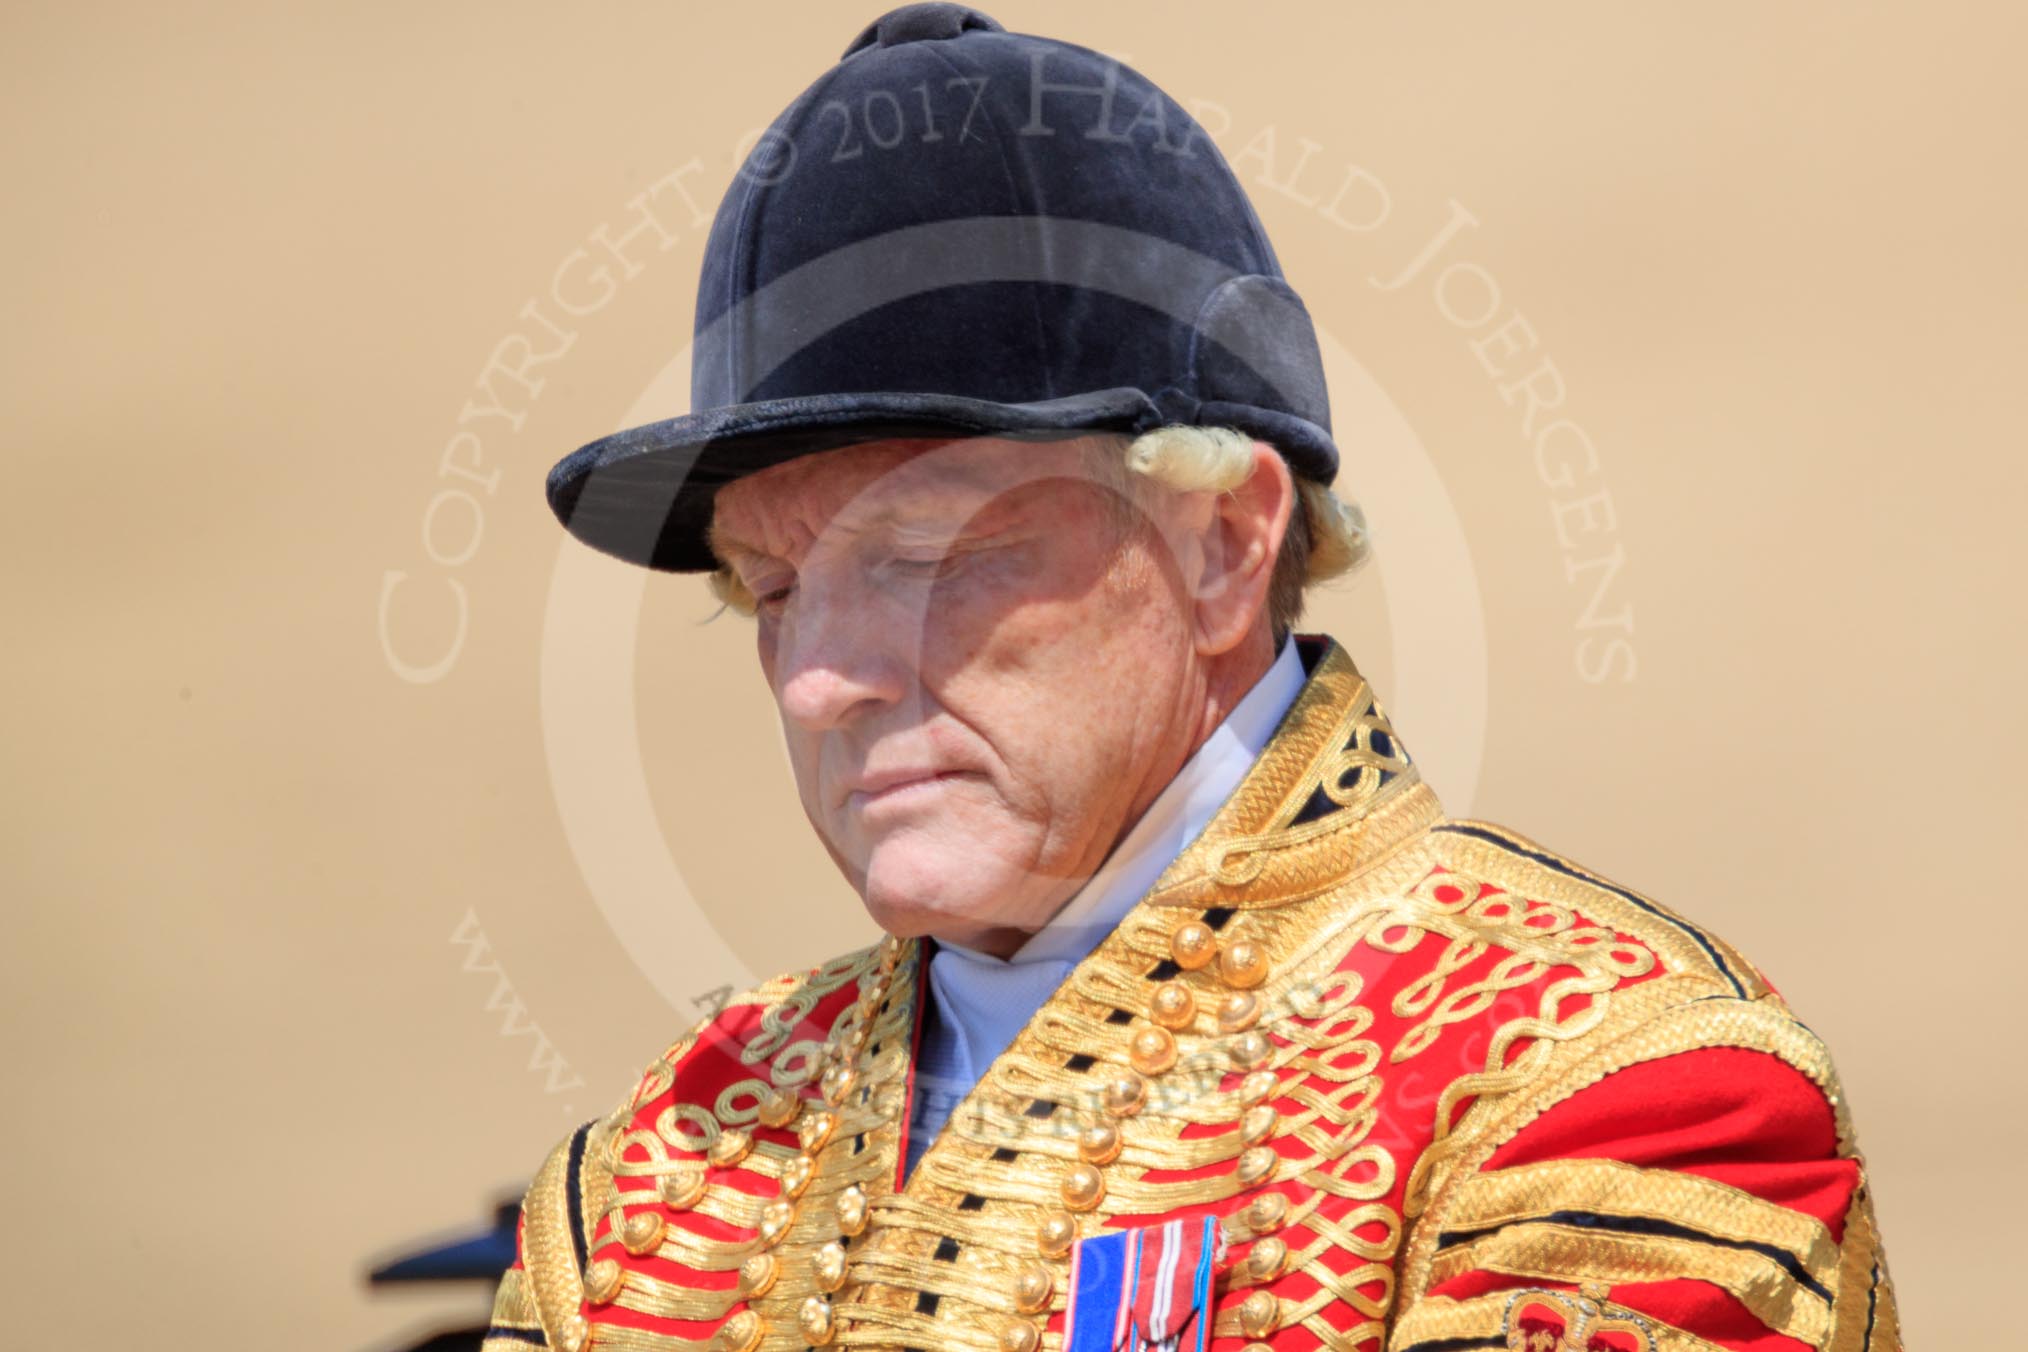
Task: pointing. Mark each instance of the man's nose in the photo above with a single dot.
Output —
(837, 662)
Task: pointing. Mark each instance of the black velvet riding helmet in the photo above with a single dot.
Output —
(961, 231)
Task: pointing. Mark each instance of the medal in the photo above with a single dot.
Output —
(1143, 1290)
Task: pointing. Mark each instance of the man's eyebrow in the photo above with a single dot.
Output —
(955, 509)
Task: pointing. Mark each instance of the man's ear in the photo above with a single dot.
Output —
(1241, 542)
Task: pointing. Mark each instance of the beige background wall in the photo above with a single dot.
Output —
(256, 263)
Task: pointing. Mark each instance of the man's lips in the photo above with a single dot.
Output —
(894, 785)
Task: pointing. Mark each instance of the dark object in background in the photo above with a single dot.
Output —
(478, 1257)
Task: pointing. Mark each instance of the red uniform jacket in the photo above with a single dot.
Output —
(1444, 1088)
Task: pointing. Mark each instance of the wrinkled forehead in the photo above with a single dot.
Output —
(932, 487)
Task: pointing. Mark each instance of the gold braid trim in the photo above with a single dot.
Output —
(692, 1250)
(874, 1110)
(1334, 1287)
(1249, 857)
(595, 1186)
(554, 1282)
(550, 1290)
(647, 1294)
(1344, 1286)
(1320, 722)
(1863, 1315)
(620, 1338)
(1761, 1025)
(997, 1231)
(1227, 1324)
(1683, 946)
(892, 1326)
(1581, 1253)
(1503, 1075)
(1277, 868)
(1531, 1191)
(1441, 1318)
(986, 1282)
(513, 1308)
(722, 1202)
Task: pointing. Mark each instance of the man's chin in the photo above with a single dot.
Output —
(918, 918)
(956, 903)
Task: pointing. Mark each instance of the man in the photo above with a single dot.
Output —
(1198, 1023)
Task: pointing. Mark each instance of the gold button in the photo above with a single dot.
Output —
(1258, 1124)
(681, 1188)
(741, 1333)
(1125, 1095)
(1257, 1164)
(1099, 1143)
(837, 1083)
(1193, 945)
(1267, 1212)
(775, 1219)
(602, 1280)
(779, 1107)
(730, 1148)
(796, 1175)
(1259, 1313)
(1084, 1187)
(1056, 1234)
(829, 1263)
(815, 1321)
(1172, 1005)
(1020, 1337)
(1264, 1261)
(1238, 1012)
(1250, 1051)
(1257, 1087)
(574, 1334)
(1032, 1286)
(1153, 1050)
(757, 1275)
(815, 1130)
(852, 1210)
(641, 1232)
(1243, 964)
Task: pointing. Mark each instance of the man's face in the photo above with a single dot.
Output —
(982, 678)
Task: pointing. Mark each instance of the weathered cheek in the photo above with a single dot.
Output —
(767, 644)
(1048, 599)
